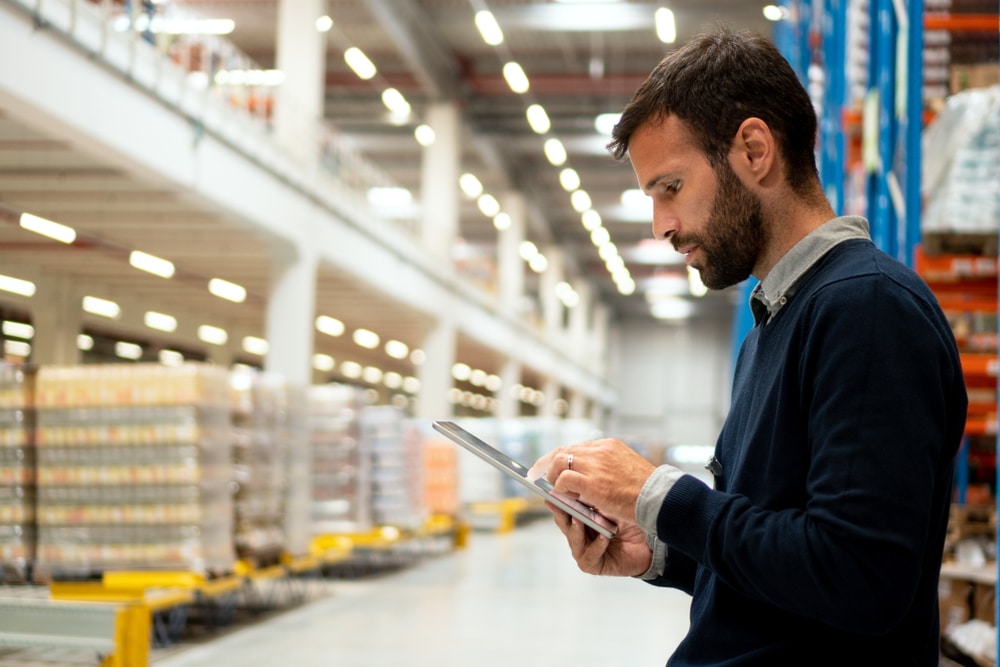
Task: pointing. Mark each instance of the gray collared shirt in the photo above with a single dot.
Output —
(780, 285)
(767, 298)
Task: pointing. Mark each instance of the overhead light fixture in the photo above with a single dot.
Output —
(18, 330)
(17, 286)
(671, 308)
(418, 357)
(84, 342)
(411, 385)
(47, 228)
(580, 200)
(324, 24)
(160, 321)
(538, 119)
(666, 28)
(569, 179)
(322, 362)
(397, 349)
(151, 264)
(392, 380)
(331, 326)
(389, 196)
(102, 307)
(128, 350)
(212, 335)
(351, 369)
(461, 371)
(515, 77)
(170, 357)
(591, 220)
(17, 348)
(365, 338)
(538, 263)
(227, 290)
(254, 345)
(527, 250)
(600, 236)
(371, 374)
(359, 63)
(488, 27)
(775, 13)
(605, 122)
(501, 221)
(424, 134)
(395, 102)
(555, 152)
(488, 205)
(470, 185)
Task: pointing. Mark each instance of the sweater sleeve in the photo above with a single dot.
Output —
(875, 386)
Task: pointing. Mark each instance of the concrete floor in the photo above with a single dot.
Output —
(506, 599)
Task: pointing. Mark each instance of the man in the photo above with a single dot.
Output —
(821, 542)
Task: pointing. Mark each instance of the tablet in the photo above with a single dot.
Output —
(541, 486)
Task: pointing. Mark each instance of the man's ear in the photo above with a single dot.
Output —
(754, 151)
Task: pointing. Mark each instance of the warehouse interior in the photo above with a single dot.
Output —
(267, 231)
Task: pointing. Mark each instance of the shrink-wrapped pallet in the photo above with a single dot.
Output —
(17, 473)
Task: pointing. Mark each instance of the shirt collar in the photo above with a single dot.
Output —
(772, 293)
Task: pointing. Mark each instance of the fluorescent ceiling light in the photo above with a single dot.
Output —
(151, 264)
(411, 385)
(365, 338)
(538, 263)
(580, 199)
(395, 102)
(488, 27)
(424, 134)
(605, 122)
(322, 362)
(397, 349)
(488, 204)
(606, 251)
(160, 321)
(461, 372)
(527, 250)
(18, 330)
(569, 179)
(331, 326)
(84, 342)
(591, 220)
(775, 13)
(128, 350)
(17, 348)
(170, 357)
(17, 286)
(47, 228)
(600, 236)
(227, 290)
(351, 369)
(418, 357)
(626, 286)
(324, 23)
(392, 380)
(555, 152)
(371, 374)
(501, 221)
(102, 307)
(255, 345)
(212, 335)
(538, 119)
(516, 78)
(470, 185)
(666, 28)
(671, 308)
(359, 63)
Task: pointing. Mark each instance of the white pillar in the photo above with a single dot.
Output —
(510, 266)
(57, 316)
(291, 309)
(439, 192)
(577, 405)
(601, 318)
(301, 55)
(579, 319)
(435, 373)
(553, 391)
(508, 406)
(552, 307)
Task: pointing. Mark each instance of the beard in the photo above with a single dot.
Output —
(734, 234)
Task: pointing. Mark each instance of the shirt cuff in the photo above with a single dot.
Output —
(647, 508)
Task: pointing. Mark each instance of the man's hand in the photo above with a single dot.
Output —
(626, 555)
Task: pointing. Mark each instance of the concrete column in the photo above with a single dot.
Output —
(577, 405)
(301, 55)
(57, 316)
(600, 339)
(579, 319)
(510, 266)
(508, 406)
(552, 390)
(439, 192)
(291, 309)
(435, 373)
(552, 307)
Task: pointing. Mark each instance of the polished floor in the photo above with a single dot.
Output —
(507, 599)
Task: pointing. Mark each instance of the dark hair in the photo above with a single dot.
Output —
(715, 82)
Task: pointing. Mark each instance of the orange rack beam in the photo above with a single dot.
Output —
(968, 22)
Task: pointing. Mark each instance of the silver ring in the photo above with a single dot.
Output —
(569, 462)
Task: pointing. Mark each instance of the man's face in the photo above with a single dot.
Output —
(707, 214)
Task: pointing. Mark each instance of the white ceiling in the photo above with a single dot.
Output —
(430, 51)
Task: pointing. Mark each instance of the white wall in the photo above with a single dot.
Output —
(672, 379)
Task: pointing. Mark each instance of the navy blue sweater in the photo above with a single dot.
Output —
(822, 542)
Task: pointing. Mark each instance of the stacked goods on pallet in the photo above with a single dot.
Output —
(17, 473)
(258, 466)
(440, 474)
(479, 482)
(340, 468)
(394, 447)
(133, 469)
(297, 500)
